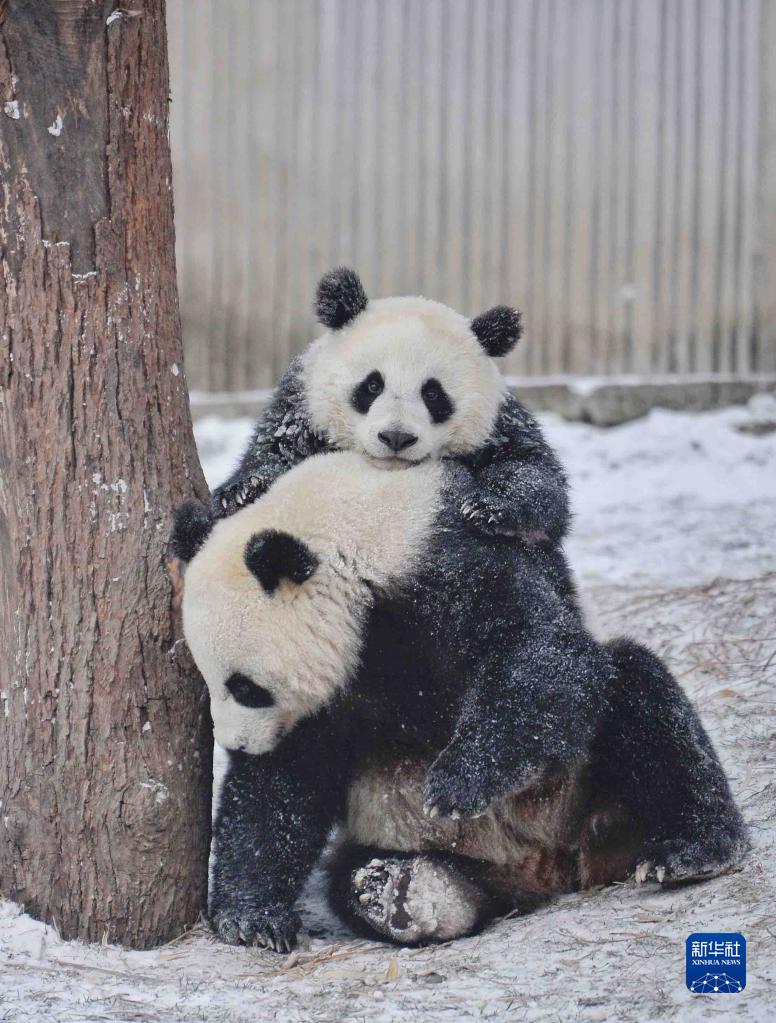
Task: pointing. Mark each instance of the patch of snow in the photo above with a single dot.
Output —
(56, 128)
(11, 109)
(220, 443)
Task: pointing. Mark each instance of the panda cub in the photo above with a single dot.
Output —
(403, 380)
(374, 662)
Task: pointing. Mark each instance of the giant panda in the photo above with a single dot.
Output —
(403, 380)
(373, 662)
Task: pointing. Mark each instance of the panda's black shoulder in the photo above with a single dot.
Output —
(286, 428)
(290, 392)
(516, 436)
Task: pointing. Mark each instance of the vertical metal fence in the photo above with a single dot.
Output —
(599, 163)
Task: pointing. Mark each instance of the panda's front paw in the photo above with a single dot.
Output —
(231, 497)
(468, 777)
(493, 518)
(273, 927)
(456, 787)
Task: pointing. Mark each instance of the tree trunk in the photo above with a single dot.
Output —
(104, 753)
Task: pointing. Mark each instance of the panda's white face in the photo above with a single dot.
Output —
(273, 633)
(407, 380)
(269, 658)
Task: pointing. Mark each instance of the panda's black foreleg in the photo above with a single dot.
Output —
(274, 815)
(530, 713)
(653, 756)
(410, 898)
(524, 496)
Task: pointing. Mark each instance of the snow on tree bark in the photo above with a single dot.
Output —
(104, 753)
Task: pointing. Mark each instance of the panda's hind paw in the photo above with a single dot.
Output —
(680, 861)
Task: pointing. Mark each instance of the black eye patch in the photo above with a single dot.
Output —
(247, 693)
(364, 394)
(437, 400)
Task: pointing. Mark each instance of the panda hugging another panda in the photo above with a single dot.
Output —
(400, 653)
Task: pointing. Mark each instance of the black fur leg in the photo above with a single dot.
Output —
(532, 710)
(282, 438)
(514, 486)
(654, 756)
(408, 898)
(275, 812)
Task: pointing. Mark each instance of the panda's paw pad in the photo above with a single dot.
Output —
(416, 899)
(380, 895)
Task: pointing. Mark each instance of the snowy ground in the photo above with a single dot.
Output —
(673, 543)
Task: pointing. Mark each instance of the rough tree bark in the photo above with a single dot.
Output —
(104, 755)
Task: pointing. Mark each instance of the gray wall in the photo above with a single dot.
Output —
(602, 164)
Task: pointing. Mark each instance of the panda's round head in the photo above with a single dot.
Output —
(404, 379)
(270, 651)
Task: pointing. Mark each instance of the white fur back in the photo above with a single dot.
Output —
(341, 503)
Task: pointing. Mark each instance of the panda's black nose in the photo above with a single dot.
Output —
(396, 440)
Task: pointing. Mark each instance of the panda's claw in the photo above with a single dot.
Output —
(359, 878)
(270, 928)
(490, 518)
(688, 859)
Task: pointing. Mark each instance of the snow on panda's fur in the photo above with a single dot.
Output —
(405, 379)
(372, 661)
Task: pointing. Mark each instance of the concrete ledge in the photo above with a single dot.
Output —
(603, 401)
(607, 401)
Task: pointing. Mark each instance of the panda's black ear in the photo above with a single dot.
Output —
(340, 298)
(498, 330)
(273, 555)
(192, 523)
